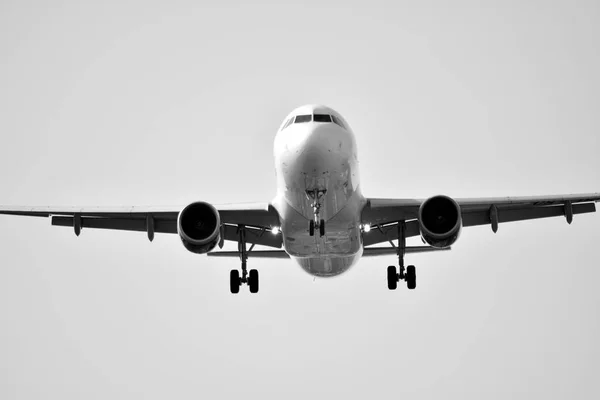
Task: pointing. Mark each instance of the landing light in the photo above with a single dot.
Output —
(275, 230)
(366, 227)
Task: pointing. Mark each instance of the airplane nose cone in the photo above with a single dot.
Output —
(315, 155)
(325, 138)
(323, 148)
(313, 140)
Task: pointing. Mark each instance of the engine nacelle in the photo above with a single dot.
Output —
(440, 221)
(198, 225)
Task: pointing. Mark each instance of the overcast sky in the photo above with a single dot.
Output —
(149, 103)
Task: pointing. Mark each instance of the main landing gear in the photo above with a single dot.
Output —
(409, 274)
(248, 277)
(316, 196)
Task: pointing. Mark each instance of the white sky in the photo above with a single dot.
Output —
(161, 104)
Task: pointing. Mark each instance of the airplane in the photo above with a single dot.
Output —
(319, 216)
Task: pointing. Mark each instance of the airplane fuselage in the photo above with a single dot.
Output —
(317, 172)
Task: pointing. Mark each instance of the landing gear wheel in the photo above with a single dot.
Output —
(411, 277)
(253, 281)
(234, 281)
(392, 278)
(311, 228)
(322, 227)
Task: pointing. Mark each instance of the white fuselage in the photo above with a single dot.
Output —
(317, 156)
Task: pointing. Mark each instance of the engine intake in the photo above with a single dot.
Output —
(198, 225)
(440, 221)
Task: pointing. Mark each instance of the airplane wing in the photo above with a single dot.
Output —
(384, 214)
(257, 217)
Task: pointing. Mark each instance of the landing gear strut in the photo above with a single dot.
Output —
(235, 281)
(409, 274)
(317, 196)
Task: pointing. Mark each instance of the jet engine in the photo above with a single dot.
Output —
(198, 225)
(440, 221)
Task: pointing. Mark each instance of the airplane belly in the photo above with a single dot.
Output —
(326, 266)
(342, 235)
(334, 252)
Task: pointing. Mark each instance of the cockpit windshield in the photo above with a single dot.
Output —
(322, 118)
(303, 118)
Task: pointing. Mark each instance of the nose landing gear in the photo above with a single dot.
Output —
(320, 225)
(316, 196)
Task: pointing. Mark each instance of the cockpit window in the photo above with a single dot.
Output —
(287, 123)
(316, 118)
(322, 118)
(303, 118)
(337, 121)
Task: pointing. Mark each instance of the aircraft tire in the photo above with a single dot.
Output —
(411, 277)
(322, 228)
(392, 278)
(253, 281)
(234, 281)
(311, 228)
